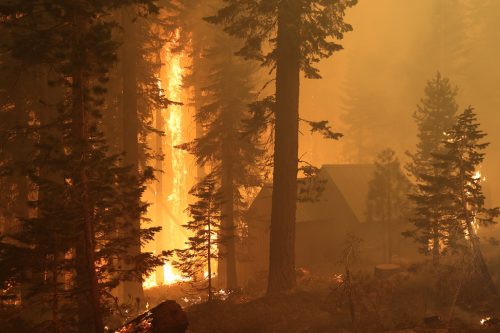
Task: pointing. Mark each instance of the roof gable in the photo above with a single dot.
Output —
(353, 181)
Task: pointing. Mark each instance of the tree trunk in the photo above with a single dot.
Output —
(389, 221)
(435, 243)
(198, 95)
(479, 259)
(160, 195)
(435, 235)
(45, 113)
(132, 289)
(90, 316)
(474, 239)
(228, 262)
(209, 254)
(20, 154)
(284, 197)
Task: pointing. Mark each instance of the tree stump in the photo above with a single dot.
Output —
(168, 317)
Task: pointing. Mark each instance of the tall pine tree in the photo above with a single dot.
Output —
(460, 162)
(434, 116)
(290, 37)
(233, 155)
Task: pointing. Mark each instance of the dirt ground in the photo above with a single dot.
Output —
(418, 298)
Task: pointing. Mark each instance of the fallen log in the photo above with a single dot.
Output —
(167, 317)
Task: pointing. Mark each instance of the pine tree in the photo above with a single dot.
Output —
(70, 246)
(452, 196)
(195, 261)
(387, 201)
(140, 98)
(460, 162)
(431, 213)
(434, 116)
(234, 157)
(289, 36)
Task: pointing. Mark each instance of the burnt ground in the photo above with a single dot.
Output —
(417, 299)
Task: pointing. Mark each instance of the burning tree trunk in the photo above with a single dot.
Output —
(227, 223)
(465, 211)
(479, 259)
(435, 242)
(160, 195)
(474, 239)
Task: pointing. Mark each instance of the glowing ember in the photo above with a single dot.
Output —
(484, 320)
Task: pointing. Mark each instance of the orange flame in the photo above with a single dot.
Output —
(177, 200)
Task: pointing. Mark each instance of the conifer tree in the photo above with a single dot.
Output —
(460, 163)
(290, 37)
(452, 194)
(234, 157)
(434, 116)
(140, 97)
(387, 202)
(431, 212)
(195, 261)
(71, 245)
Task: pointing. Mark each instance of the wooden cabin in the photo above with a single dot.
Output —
(322, 225)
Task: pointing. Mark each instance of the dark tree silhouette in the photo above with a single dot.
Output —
(195, 261)
(461, 160)
(289, 36)
(434, 116)
(80, 192)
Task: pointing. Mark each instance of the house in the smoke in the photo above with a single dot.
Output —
(322, 225)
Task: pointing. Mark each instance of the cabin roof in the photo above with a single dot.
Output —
(343, 199)
(353, 181)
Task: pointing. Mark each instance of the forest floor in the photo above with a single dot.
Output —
(417, 299)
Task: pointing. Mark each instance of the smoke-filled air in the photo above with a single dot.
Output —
(249, 166)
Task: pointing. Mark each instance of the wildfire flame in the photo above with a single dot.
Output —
(176, 201)
(178, 197)
(478, 177)
(170, 277)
